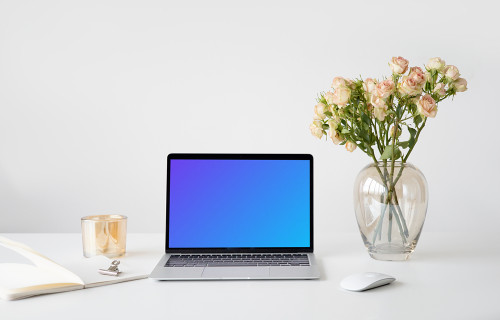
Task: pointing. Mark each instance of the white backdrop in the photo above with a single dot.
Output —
(95, 94)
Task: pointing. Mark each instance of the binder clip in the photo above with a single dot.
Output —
(112, 270)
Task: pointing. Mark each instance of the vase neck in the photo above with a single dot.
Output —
(388, 163)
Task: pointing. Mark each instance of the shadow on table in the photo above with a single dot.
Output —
(138, 253)
(452, 254)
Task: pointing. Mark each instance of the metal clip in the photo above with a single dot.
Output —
(112, 270)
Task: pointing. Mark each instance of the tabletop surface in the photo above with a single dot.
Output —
(449, 276)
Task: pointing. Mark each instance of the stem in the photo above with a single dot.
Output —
(416, 140)
(385, 172)
(398, 213)
(386, 134)
(393, 207)
(389, 236)
(401, 232)
(392, 211)
(408, 154)
(398, 207)
(398, 217)
(379, 146)
(393, 159)
(379, 225)
(376, 166)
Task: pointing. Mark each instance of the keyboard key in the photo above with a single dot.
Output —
(200, 260)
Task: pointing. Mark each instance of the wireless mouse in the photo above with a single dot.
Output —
(365, 281)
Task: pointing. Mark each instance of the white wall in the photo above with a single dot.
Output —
(95, 94)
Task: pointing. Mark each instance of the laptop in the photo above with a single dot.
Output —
(238, 216)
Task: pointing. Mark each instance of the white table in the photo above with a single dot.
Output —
(450, 276)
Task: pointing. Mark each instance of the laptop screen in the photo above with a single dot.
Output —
(239, 203)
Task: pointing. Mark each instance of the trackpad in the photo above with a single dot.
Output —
(235, 272)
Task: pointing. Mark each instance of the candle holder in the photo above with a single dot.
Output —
(104, 235)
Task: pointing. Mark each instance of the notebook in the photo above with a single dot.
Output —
(29, 273)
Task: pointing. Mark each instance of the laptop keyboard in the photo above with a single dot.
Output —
(235, 260)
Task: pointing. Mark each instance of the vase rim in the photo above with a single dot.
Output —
(389, 163)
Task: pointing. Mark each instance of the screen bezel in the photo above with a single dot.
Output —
(207, 156)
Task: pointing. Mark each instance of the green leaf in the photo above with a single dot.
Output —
(397, 155)
(399, 111)
(366, 136)
(365, 118)
(391, 152)
(417, 119)
(427, 87)
(403, 144)
(412, 141)
(328, 113)
(344, 131)
(322, 99)
(412, 108)
(362, 147)
(325, 126)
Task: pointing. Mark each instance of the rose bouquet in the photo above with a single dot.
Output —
(384, 118)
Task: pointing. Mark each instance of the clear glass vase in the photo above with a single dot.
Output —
(390, 201)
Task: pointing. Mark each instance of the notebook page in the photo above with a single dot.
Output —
(43, 270)
(88, 270)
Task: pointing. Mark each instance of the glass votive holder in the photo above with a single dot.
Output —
(104, 235)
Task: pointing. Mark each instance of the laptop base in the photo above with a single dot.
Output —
(235, 273)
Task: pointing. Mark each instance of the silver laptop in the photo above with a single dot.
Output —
(238, 216)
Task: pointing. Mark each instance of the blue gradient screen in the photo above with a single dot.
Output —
(217, 203)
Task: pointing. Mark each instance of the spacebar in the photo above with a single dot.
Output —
(231, 264)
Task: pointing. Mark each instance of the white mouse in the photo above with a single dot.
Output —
(365, 281)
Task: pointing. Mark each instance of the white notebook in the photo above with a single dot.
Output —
(37, 274)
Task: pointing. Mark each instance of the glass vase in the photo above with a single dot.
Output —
(390, 201)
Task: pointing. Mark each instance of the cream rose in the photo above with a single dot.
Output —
(427, 106)
(333, 124)
(410, 86)
(341, 96)
(319, 111)
(451, 72)
(378, 102)
(380, 113)
(350, 146)
(435, 64)
(398, 65)
(440, 89)
(379, 107)
(328, 97)
(349, 83)
(335, 136)
(416, 70)
(428, 77)
(460, 85)
(369, 86)
(339, 82)
(385, 88)
(418, 75)
(316, 129)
